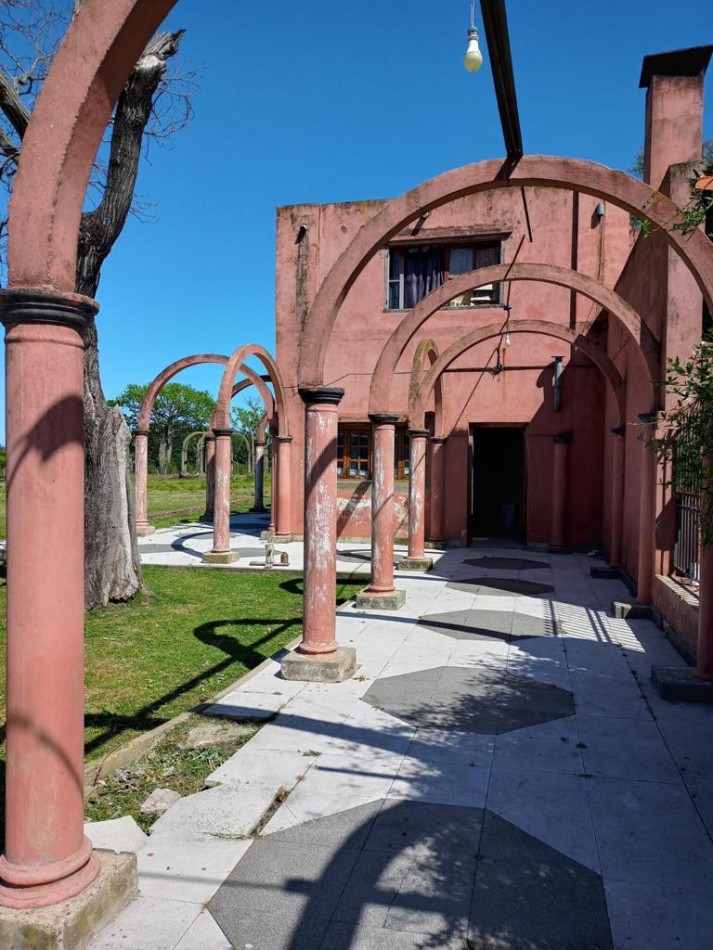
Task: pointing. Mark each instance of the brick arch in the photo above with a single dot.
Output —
(595, 353)
(615, 305)
(570, 174)
(198, 359)
(235, 365)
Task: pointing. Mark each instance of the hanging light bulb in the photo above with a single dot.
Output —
(473, 58)
(506, 341)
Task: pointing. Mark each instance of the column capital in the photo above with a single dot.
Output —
(418, 433)
(383, 418)
(438, 439)
(329, 395)
(562, 438)
(282, 439)
(141, 432)
(222, 432)
(259, 444)
(209, 438)
(26, 305)
(619, 431)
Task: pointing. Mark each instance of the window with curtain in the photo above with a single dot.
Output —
(414, 271)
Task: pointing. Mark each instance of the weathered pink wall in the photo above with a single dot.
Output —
(564, 231)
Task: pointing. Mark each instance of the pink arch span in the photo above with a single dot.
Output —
(426, 350)
(535, 170)
(546, 327)
(235, 365)
(252, 379)
(548, 273)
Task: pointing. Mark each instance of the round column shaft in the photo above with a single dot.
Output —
(647, 527)
(438, 469)
(617, 495)
(558, 533)
(320, 529)
(283, 516)
(259, 498)
(141, 467)
(418, 439)
(382, 504)
(209, 476)
(221, 553)
(47, 857)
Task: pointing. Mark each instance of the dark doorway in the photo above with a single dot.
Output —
(497, 497)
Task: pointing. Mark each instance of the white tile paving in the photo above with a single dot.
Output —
(605, 786)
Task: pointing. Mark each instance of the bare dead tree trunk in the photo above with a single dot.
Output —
(112, 566)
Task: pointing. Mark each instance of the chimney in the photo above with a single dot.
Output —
(674, 109)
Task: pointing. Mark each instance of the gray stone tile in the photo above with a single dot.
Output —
(293, 929)
(341, 936)
(147, 924)
(203, 934)
(529, 896)
(551, 806)
(449, 783)
(277, 878)
(443, 745)
(347, 829)
(435, 899)
(425, 827)
(486, 700)
(650, 833)
(626, 748)
(507, 563)
(549, 747)
(373, 884)
(597, 694)
(646, 917)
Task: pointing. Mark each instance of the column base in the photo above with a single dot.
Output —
(321, 667)
(415, 564)
(682, 685)
(368, 599)
(73, 922)
(220, 557)
(142, 530)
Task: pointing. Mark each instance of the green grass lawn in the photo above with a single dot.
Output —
(172, 499)
(192, 633)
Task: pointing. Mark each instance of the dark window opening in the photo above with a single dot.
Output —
(414, 272)
(354, 452)
(497, 497)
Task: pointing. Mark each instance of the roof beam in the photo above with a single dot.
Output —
(495, 24)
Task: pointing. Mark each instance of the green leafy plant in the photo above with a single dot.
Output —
(687, 431)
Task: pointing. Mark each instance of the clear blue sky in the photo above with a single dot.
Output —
(324, 101)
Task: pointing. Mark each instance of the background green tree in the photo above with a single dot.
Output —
(178, 411)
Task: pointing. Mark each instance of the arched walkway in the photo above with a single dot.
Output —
(199, 447)
(45, 845)
(141, 437)
(221, 553)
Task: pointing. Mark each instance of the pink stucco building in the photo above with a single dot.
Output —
(535, 430)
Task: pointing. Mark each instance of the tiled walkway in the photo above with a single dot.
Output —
(499, 774)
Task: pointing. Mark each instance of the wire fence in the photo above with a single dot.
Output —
(687, 493)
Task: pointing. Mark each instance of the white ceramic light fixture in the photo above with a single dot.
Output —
(473, 58)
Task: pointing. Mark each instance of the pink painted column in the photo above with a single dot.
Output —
(320, 529)
(382, 503)
(283, 516)
(209, 476)
(417, 492)
(704, 659)
(647, 526)
(438, 469)
(617, 495)
(259, 502)
(417, 560)
(47, 856)
(141, 471)
(221, 553)
(558, 532)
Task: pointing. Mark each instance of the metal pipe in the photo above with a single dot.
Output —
(496, 31)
